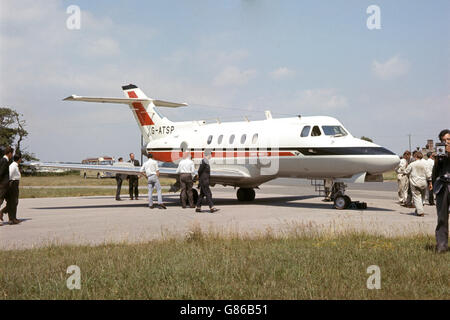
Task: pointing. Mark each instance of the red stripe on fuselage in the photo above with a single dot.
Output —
(141, 113)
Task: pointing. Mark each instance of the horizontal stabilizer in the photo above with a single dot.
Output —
(159, 103)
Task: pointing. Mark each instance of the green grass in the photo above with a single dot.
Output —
(208, 266)
(75, 192)
(390, 176)
(68, 181)
(76, 180)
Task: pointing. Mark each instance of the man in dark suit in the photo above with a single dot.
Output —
(441, 188)
(119, 179)
(133, 181)
(4, 175)
(204, 172)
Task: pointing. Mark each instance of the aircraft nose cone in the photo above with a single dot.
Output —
(393, 162)
(385, 163)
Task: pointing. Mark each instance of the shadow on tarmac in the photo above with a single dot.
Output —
(173, 201)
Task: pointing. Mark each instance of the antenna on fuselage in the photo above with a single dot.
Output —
(268, 115)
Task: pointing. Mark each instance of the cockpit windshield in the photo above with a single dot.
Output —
(336, 131)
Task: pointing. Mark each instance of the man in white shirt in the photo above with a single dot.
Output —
(402, 178)
(186, 170)
(430, 165)
(13, 190)
(151, 170)
(418, 179)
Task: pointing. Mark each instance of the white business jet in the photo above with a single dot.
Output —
(247, 154)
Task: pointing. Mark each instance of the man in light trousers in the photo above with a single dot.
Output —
(418, 177)
(402, 178)
(151, 171)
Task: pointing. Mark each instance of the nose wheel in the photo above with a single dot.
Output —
(342, 202)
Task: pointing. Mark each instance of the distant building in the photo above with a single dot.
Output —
(429, 147)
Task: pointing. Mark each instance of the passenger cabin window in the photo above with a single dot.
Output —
(219, 140)
(336, 131)
(255, 138)
(243, 138)
(210, 139)
(231, 139)
(305, 131)
(315, 132)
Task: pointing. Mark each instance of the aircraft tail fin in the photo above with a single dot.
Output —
(143, 107)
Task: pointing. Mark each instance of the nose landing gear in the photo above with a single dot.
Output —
(342, 201)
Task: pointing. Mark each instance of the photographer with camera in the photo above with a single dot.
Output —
(441, 187)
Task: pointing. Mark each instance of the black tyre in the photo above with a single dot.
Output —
(194, 196)
(84, 176)
(251, 194)
(341, 202)
(245, 194)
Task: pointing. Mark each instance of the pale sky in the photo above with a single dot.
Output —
(227, 59)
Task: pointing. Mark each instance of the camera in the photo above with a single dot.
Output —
(440, 150)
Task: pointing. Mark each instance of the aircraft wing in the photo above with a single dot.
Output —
(129, 170)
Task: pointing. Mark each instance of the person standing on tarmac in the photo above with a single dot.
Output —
(441, 188)
(151, 170)
(133, 180)
(204, 172)
(186, 170)
(430, 165)
(5, 161)
(119, 180)
(13, 192)
(402, 178)
(418, 177)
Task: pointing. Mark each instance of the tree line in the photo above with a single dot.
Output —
(13, 132)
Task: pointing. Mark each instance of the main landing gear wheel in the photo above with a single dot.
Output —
(342, 202)
(194, 196)
(245, 194)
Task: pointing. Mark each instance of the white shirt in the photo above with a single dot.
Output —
(150, 167)
(418, 174)
(402, 166)
(186, 166)
(14, 173)
(430, 164)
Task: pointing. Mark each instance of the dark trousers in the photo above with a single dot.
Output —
(119, 186)
(430, 196)
(205, 191)
(133, 186)
(186, 184)
(442, 203)
(13, 199)
(3, 192)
